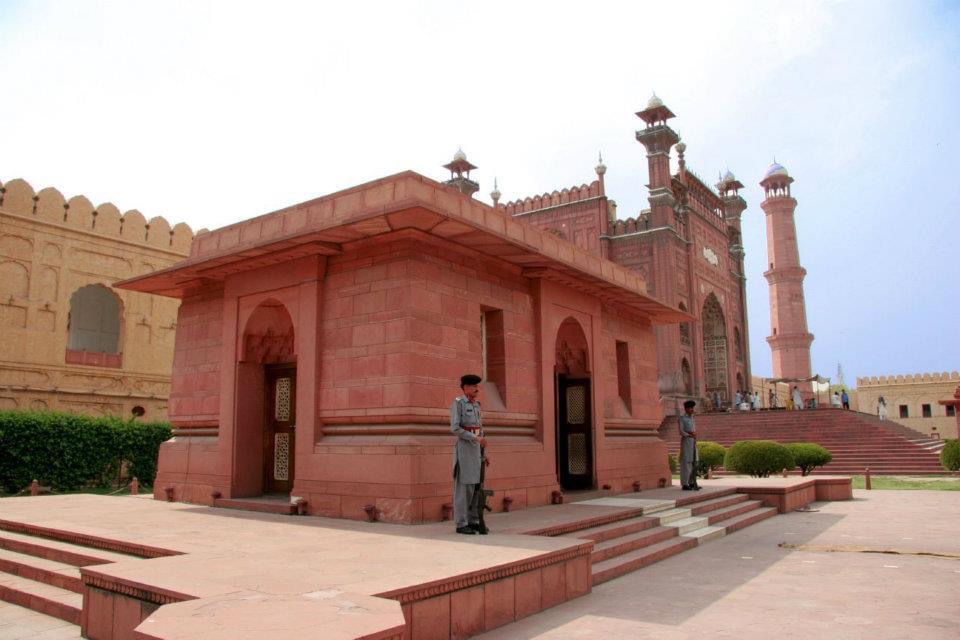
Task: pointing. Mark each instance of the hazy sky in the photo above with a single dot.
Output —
(210, 113)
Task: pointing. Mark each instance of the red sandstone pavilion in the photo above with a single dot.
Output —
(318, 349)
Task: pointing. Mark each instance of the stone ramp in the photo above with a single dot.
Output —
(855, 440)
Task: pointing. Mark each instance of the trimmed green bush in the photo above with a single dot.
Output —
(950, 455)
(710, 456)
(67, 451)
(808, 456)
(758, 458)
(672, 462)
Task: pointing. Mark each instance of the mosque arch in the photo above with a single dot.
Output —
(266, 402)
(574, 414)
(714, 348)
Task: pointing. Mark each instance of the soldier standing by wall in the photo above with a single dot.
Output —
(465, 423)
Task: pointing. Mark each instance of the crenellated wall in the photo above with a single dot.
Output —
(49, 205)
(51, 246)
(916, 378)
(554, 199)
(910, 393)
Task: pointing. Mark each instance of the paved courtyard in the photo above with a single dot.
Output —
(827, 583)
(747, 586)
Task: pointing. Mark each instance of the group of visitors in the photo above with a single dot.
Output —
(746, 401)
(840, 399)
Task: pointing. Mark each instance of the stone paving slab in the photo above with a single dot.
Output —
(747, 586)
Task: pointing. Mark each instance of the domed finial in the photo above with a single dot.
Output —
(600, 168)
(459, 155)
(728, 176)
(654, 101)
(681, 147)
(495, 194)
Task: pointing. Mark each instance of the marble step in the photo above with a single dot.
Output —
(686, 525)
(708, 533)
(670, 515)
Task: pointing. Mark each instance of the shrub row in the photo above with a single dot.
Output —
(950, 455)
(67, 451)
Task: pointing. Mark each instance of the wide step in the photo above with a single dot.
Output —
(47, 599)
(620, 565)
(59, 574)
(65, 552)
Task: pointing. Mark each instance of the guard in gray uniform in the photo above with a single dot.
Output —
(465, 423)
(688, 448)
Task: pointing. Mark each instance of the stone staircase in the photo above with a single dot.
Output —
(856, 440)
(42, 573)
(665, 528)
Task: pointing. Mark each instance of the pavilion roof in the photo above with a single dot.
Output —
(408, 200)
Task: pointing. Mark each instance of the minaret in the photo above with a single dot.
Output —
(657, 137)
(790, 340)
(733, 207)
(460, 174)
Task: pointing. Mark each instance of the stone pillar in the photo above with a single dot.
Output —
(789, 340)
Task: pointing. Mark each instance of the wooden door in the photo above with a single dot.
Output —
(280, 426)
(575, 435)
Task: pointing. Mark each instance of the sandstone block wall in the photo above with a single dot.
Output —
(51, 246)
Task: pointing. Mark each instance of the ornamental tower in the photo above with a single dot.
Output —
(790, 340)
(460, 174)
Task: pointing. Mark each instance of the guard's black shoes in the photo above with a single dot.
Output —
(687, 488)
(696, 487)
(470, 531)
(483, 531)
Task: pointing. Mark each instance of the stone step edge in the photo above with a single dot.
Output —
(37, 548)
(619, 546)
(24, 594)
(643, 557)
(637, 524)
(722, 515)
(57, 574)
(617, 566)
(86, 540)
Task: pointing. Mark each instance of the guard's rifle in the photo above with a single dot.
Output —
(481, 494)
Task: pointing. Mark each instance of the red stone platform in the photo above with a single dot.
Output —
(150, 570)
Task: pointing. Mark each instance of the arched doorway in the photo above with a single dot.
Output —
(266, 403)
(574, 425)
(714, 348)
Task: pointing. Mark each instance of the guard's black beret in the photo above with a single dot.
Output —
(469, 379)
(689, 404)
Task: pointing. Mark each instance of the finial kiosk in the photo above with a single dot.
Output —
(460, 169)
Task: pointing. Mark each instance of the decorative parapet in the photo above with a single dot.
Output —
(631, 225)
(916, 378)
(555, 199)
(49, 205)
